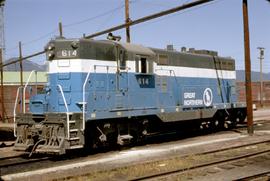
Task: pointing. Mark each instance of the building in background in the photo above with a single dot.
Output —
(12, 83)
(241, 91)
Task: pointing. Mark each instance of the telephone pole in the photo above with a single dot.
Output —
(250, 128)
(2, 89)
(60, 27)
(261, 49)
(21, 64)
(127, 21)
(2, 56)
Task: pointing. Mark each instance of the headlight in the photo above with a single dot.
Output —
(50, 47)
(50, 55)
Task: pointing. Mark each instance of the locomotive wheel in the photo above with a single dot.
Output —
(240, 116)
(218, 121)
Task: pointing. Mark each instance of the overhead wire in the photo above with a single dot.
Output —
(185, 11)
(94, 17)
(31, 41)
(67, 26)
(77, 23)
(112, 14)
(107, 13)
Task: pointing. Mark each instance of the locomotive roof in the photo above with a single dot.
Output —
(105, 50)
(137, 49)
(89, 48)
(189, 59)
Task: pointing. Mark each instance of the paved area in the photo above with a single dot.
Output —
(261, 114)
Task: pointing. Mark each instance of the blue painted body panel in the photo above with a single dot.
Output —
(130, 94)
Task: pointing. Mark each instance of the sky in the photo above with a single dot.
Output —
(214, 26)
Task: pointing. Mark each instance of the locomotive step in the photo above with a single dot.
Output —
(76, 146)
(72, 121)
(73, 130)
(124, 139)
(74, 138)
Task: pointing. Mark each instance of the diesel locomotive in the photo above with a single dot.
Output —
(104, 92)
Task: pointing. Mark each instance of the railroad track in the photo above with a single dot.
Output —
(18, 160)
(20, 163)
(260, 176)
(23, 163)
(204, 169)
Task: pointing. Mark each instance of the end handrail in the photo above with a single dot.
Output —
(25, 86)
(65, 102)
(14, 110)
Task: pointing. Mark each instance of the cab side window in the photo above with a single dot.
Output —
(143, 65)
(122, 60)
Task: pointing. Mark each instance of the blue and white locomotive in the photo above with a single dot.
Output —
(103, 92)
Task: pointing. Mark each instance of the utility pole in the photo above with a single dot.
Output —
(2, 28)
(2, 89)
(2, 55)
(21, 71)
(250, 128)
(21, 65)
(60, 29)
(127, 21)
(261, 49)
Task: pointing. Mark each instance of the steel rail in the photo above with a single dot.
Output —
(17, 161)
(182, 170)
(265, 175)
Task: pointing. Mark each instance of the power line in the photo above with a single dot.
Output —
(40, 38)
(69, 25)
(94, 17)
(32, 41)
(186, 11)
(150, 17)
(112, 14)
(23, 58)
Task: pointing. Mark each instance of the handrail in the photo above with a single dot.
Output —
(113, 66)
(24, 89)
(84, 84)
(65, 102)
(14, 110)
(169, 70)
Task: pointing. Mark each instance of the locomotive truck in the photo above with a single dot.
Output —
(104, 92)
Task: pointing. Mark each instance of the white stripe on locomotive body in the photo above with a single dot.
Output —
(81, 66)
(194, 72)
(86, 65)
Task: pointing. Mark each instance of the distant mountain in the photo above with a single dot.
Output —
(255, 76)
(27, 66)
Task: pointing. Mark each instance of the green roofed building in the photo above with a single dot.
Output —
(13, 78)
(11, 82)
